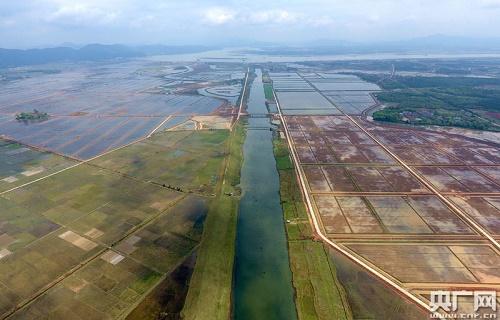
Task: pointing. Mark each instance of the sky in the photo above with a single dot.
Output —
(39, 23)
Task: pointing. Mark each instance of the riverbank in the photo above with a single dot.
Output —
(318, 294)
(209, 295)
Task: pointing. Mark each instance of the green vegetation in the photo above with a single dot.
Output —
(318, 294)
(440, 66)
(74, 217)
(437, 117)
(167, 298)
(209, 295)
(20, 164)
(268, 91)
(449, 98)
(88, 198)
(291, 196)
(172, 237)
(368, 297)
(99, 290)
(34, 116)
(465, 102)
(388, 115)
(192, 160)
(268, 86)
(235, 157)
(403, 82)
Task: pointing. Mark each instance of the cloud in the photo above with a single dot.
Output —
(36, 22)
(272, 16)
(81, 13)
(490, 4)
(7, 22)
(218, 16)
(248, 16)
(321, 21)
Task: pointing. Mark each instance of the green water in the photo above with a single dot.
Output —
(262, 283)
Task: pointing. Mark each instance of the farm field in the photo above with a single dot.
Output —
(124, 202)
(415, 204)
(322, 93)
(368, 297)
(20, 164)
(93, 109)
(93, 240)
(195, 155)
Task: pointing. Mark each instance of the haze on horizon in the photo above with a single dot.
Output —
(39, 23)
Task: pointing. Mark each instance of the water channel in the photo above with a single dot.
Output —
(262, 283)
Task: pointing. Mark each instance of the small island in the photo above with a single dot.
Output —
(34, 116)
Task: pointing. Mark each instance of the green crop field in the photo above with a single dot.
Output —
(171, 237)
(184, 160)
(20, 164)
(168, 297)
(100, 290)
(268, 91)
(91, 242)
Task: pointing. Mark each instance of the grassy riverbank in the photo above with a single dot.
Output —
(209, 295)
(318, 295)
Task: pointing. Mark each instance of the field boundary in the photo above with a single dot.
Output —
(80, 162)
(318, 230)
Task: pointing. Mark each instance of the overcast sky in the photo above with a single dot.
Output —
(31, 23)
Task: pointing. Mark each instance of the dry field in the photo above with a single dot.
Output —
(375, 207)
(420, 225)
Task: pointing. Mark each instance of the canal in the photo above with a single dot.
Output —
(262, 280)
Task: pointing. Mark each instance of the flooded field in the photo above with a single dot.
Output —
(416, 206)
(435, 263)
(96, 108)
(322, 93)
(387, 214)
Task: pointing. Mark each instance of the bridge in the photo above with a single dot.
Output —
(256, 115)
(260, 128)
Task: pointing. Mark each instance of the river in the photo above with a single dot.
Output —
(262, 280)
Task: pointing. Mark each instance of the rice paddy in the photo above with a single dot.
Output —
(92, 241)
(97, 108)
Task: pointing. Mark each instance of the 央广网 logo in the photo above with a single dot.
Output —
(444, 304)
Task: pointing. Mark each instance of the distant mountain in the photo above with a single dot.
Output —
(92, 52)
(96, 52)
(441, 42)
(155, 50)
(71, 45)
